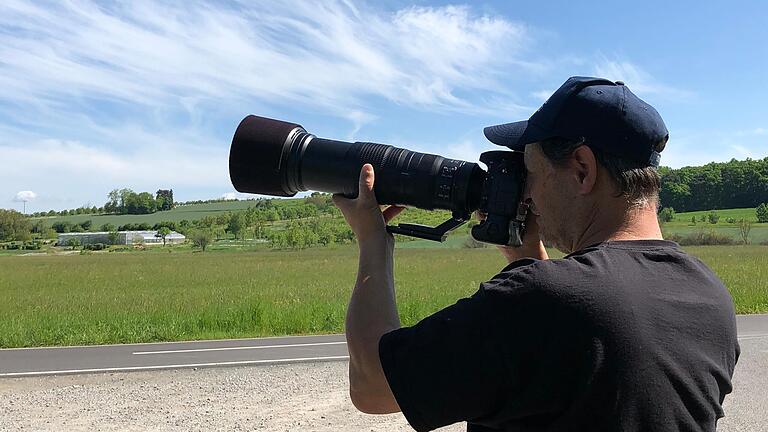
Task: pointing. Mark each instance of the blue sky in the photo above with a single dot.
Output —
(97, 96)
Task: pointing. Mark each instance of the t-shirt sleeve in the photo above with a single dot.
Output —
(472, 361)
(443, 370)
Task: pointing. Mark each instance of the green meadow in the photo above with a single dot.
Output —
(189, 212)
(157, 295)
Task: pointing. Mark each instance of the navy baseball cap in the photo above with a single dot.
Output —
(604, 113)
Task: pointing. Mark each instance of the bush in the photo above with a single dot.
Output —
(667, 214)
(701, 238)
(730, 220)
(762, 213)
(713, 217)
(32, 246)
(95, 246)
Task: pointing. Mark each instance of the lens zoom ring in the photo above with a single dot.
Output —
(373, 153)
(390, 161)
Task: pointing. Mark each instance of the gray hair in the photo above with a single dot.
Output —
(638, 183)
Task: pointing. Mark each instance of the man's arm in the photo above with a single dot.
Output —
(372, 310)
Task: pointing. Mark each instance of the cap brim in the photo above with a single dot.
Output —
(514, 135)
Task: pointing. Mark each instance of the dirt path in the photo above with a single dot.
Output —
(305, 397)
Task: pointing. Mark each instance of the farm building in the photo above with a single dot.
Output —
(123, 238)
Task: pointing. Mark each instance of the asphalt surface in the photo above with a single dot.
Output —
(217, 353)
(173, 355)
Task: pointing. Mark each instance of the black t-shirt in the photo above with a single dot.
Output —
(621, 336)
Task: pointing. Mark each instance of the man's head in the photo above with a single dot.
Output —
(591, 152)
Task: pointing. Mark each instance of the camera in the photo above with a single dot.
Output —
(278, 158)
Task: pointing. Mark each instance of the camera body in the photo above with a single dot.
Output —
(278, 158)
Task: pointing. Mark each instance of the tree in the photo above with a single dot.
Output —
(745, 226)
(693, 220)
(14, 226)
(62, 227)
(113, 202)
(163, 232)
(108, 227)
(667, 214)
(113, 237)
(236, 224)
(201, 238)
(74, 242)
(164, 198)
(762, 213)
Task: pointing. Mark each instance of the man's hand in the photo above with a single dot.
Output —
(363, 214)
(532, 246)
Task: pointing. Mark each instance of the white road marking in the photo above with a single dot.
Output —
(237, 348)
(753, 336)
(176, 366)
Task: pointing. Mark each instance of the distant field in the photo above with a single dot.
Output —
(189, 212)
(159, 295)
(745, 213)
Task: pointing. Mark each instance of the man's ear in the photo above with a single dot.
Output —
(584, 168)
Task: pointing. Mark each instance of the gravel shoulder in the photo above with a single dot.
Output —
(297, 397)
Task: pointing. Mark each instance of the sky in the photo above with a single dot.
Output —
(147, 94)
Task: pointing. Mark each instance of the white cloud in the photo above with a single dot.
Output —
(131, 94)
(752, 132)
(25, 196)
(638, 80)
(229, 196)
(330, 55)
(70, 173)
(542, 95)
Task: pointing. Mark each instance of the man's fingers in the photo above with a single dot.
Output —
(366, 181)
(391, 212)
(480, 215)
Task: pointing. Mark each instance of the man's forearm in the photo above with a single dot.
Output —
(372, 312)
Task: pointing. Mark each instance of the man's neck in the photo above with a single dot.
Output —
(622, 223)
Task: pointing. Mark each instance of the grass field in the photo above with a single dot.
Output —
(157, 295)
(739, 213)
(189, 212)
(683, 226)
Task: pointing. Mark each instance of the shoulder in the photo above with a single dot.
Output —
(530, 276)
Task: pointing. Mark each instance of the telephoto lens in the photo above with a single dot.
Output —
(273, 157)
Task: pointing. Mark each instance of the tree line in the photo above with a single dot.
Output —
(716, 185)
(126, 201)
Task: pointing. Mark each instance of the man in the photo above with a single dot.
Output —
(625, 333)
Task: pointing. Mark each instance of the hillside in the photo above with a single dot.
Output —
(191, 212)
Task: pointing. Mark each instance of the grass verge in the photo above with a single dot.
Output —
(144, 297)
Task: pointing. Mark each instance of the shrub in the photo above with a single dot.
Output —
(762, 213)
(713, 217)
(703, 238)
(730, 220)
(667, 214)
(745, 226)
(201, 238)
(32, 246)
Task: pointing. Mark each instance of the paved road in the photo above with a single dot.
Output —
(172, 355)
(218, 353)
